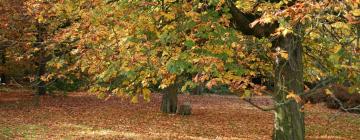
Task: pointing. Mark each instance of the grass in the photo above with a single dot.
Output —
(26, 131)
(82, 116)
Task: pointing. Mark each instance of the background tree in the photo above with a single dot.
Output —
(14, 35)
(49, 50)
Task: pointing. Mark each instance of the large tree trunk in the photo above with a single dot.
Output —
(169, 100)
(289, 119)
(3, 62)
(289, 123)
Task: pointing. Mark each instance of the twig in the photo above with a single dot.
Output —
(342, 107)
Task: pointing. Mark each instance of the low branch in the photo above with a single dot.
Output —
(259, 107)
(322, 83)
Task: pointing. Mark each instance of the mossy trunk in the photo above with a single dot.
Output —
(289, 123)
(169, 100)
(289, 119)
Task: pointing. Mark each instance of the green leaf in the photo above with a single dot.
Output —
(178, 66)
(247, 94)
(189, 43)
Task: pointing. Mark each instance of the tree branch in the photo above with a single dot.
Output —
(242, 22)
(259, 107)
(321, 84)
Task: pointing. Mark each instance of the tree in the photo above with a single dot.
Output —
(13, 32)
(48, 47)
(289, 120)
(159, 52)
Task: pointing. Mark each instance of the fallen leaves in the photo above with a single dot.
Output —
(83, 116)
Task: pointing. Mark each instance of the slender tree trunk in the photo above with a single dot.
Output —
(169, 100)
(289, 119)
(3, 62)
(41, 70)
(198, 90)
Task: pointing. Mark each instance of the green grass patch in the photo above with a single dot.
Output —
(28, 132)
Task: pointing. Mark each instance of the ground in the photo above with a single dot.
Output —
(83, 116)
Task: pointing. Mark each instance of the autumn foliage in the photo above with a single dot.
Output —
(132, 49)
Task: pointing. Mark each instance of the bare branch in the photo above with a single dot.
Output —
(259, 107)
(322, 83)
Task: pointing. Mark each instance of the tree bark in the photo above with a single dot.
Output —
(3, 62)
(289, 119)
(169, 100)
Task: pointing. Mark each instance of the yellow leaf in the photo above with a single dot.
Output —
(252, 73)
(169, 1)
(146, 91)
(285, 32)
(337, 48)
(169, 16)
(194, 15)
(340, 25)
(218, 6)
(154, 81)
(187, 6)
(169, 27)
(101, 95)
(163, 86)
(293, 96)
(41, 19)
(36, 49)
(328, 92)
(43, 78)
(284, 54)
(58, 65)
(355, 12)
(134, 99)
(247, 94)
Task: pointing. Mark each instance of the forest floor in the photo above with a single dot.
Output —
(83, 116)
